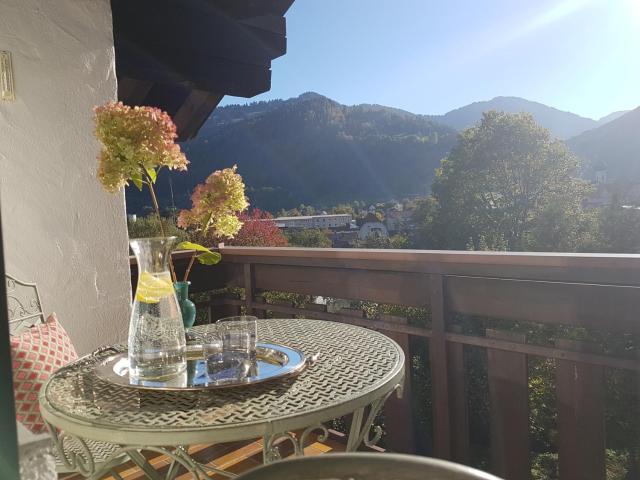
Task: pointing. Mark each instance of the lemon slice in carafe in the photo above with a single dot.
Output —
(152, 288)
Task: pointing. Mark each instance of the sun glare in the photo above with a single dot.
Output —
(555, 14)
(633, 7)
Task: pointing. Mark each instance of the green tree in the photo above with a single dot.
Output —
(311, 238)
(563, 226)
(294, 212)
(306, 209)
(618, 230)
(499, 182)
(423, 218)
(378, 241)
(342, 208)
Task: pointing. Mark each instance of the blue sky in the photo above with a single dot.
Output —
(432, 56)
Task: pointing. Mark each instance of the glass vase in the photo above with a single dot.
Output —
(157, 345)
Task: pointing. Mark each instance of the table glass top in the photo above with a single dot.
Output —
(352, 362)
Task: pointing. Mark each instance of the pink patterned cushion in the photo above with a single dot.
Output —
(35, 354)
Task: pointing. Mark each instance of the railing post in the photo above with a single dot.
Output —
(210, 309)
(509, 409)
(259, 308)
(459, 406)
(634, 464)
(398, 412)
(581, 435)
(248, 288)
(220, 309)
(439, 374)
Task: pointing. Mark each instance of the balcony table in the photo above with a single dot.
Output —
(356, 368)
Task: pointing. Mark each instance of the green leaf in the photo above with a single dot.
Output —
(136, 178)
(152, 174)
(192, 246)
(209, 258)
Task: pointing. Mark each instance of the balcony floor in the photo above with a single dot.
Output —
(236, 457)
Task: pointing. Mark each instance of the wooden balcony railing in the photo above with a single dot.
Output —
(580, 293)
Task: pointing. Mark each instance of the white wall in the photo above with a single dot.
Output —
(59, 228)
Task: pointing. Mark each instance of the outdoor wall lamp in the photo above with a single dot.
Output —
(6, 77)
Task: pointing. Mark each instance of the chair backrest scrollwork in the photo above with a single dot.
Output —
(23, 304)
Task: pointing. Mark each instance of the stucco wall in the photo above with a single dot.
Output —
(60, 229)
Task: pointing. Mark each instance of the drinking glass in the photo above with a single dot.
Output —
(211, 343)
(239, 337)
(212, 352)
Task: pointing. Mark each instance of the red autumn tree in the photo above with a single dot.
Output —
(258, 230)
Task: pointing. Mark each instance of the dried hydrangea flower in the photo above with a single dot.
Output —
(133, 139)
(216, 205)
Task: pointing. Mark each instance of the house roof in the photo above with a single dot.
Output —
(184, 56)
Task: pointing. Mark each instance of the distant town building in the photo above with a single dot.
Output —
(340, 220)
(397, 218)
(372, 229)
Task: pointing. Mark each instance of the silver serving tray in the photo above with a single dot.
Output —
(272, 362)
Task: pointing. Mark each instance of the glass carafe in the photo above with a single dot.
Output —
(157, 345)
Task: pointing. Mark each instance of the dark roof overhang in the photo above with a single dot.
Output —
(183, 56)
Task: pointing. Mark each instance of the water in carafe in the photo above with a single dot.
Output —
(157, 345)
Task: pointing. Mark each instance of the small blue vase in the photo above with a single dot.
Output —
(187, 307)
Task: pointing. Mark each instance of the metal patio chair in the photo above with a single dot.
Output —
(365, 466)
(25, 310)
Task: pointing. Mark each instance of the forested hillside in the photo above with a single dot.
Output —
(311, 149)
(613, 147)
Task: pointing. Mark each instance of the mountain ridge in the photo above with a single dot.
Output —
(611, 117)
(311, 149)
(561, 123)
(458, 118)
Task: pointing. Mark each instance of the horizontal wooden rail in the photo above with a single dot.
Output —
(472, 340)
(614, 269)
(609, 307)
(546, 352)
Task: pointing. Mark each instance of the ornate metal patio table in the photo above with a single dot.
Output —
(356, 368)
